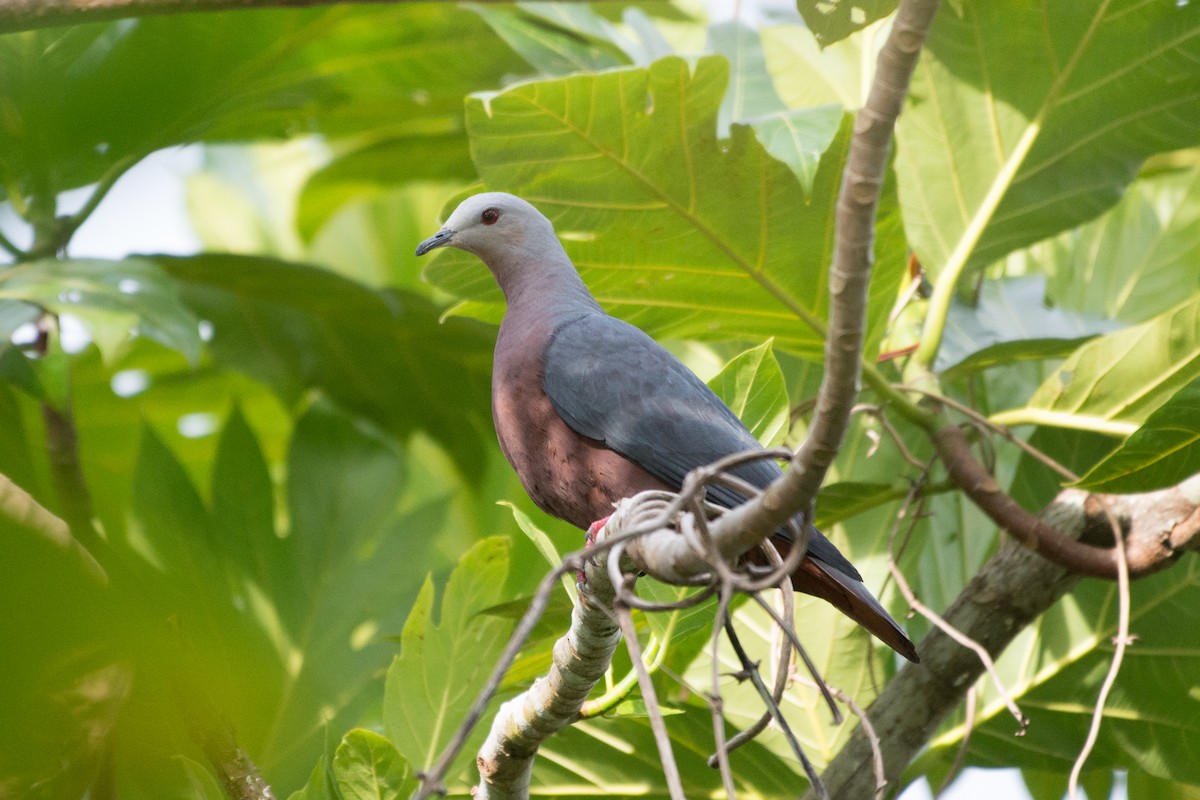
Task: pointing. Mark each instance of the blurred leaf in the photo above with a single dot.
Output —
(1162, 452)
(13, 315)
(443, 665)
(201, 783)
(367, 767)
(834, 20)
(844, 499)
(115, 300)
(1011, 321)
(556, 38)
(1140, 784)
(807, 74)
(295, 327)
(1051, 137)
(83, 100)
(730, 251)
(16, 371)
(1135, 261)
(1123, 377)
(372, 171)
(243, 508)
(752, 385)
(751, 92)
(798, 138)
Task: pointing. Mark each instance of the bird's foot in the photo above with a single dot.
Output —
(589, 539)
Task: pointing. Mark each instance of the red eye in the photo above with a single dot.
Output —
(489, 216)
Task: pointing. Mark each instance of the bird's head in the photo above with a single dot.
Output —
(492, 225)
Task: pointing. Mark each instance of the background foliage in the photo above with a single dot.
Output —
(288, 468)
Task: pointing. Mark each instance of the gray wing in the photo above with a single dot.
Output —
(611, 382)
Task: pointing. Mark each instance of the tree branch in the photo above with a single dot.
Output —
(1012, 589)
(1146, 555)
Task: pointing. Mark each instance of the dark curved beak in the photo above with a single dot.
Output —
(439, 239)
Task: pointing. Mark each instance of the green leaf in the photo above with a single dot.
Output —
(1135, 261)
(618, 758)
(834, 20)
(1010, 321)
(798, 138)
(1113, 383)
(1055, 667)
(115, 300)
(555, 38)
(201, 783)
(752, 385)
(243, 508)
(733, 250)
(807, 74)
(844, 499)
(544, 546)
(367, 767)
(88, 99)
(344, 482)
(443, 665)
(1162, 452)
(297, 327)
(997, 151)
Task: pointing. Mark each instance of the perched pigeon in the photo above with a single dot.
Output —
(590, 410)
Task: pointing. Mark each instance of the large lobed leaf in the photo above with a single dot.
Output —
(1114, 382)
(442, 665)
(1028, 118)
(681, 233)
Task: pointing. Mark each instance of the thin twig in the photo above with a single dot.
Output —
(1002, 430)
(750, 670)
(1121, 641)
(966, 641)
(665, 754)
(968, 727)
(716, 702)
(879, 414)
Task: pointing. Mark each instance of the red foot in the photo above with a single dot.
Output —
(589, 539)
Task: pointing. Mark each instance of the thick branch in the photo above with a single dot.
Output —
(1147, 554)
(1014, 587)
(581, 658)
(850, 273)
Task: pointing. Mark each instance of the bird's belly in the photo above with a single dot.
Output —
(569, 476)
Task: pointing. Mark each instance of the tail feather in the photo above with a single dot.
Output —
(853, 599)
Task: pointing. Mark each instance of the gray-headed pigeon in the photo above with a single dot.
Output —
(590, 410)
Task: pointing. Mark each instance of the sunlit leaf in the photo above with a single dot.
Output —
(1162, 452)
(997, 150)
(679, 233)
(442, 665)
(752, 385)
(1117, 381)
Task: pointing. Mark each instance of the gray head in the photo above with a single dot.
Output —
(518, 245)
(495, 226)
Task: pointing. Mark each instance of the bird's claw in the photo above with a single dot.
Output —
(589, 539)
